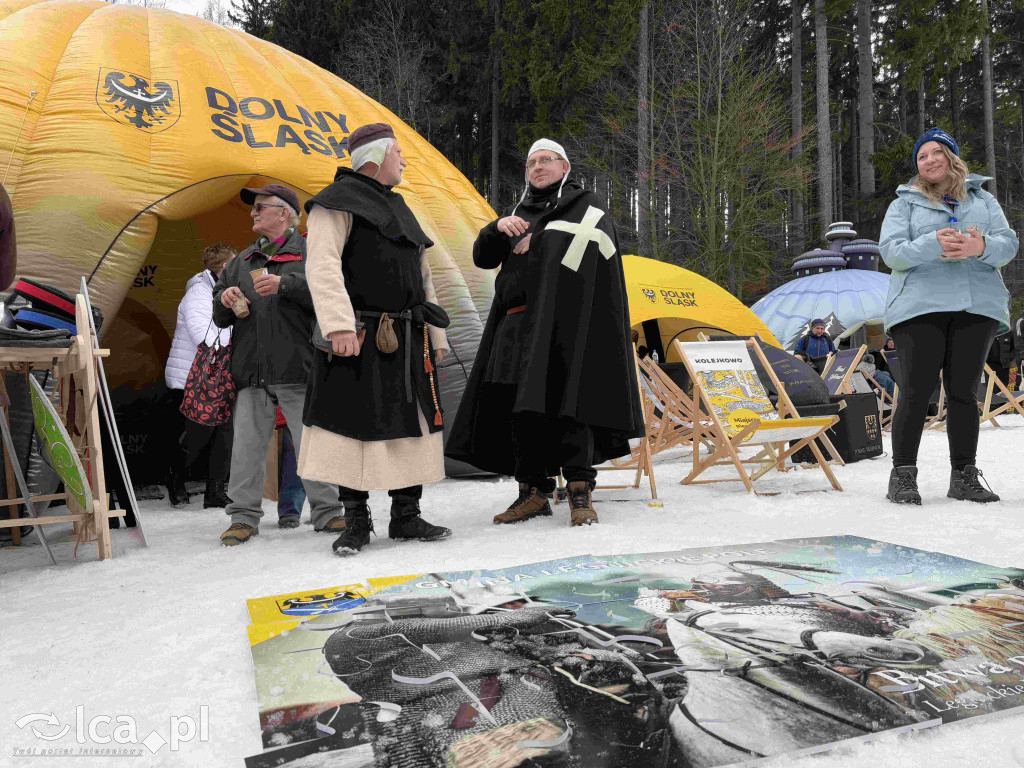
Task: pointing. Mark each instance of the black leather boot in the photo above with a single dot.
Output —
(406, 522)
(358, 526)
(216, 496)
(175, 482)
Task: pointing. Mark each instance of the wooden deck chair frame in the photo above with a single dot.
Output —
(640, 457)
(896, 391)
(844, 384)
(938, 421)
(726, 448)
(884, 398)
(1014, 400)
(786, 403)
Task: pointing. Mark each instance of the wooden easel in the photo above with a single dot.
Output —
(77, 361)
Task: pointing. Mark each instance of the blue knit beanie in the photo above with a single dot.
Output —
(939, 135)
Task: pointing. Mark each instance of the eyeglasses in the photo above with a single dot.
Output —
(260, 206)
(540, 161)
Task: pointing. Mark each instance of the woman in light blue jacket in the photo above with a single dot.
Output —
(944, 237)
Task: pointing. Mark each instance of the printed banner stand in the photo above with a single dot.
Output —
(108, 414)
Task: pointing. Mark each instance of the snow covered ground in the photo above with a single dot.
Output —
(159, 632)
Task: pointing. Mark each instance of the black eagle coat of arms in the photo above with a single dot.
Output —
(131, 100)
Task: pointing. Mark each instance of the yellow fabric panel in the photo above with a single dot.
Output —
(685, 304)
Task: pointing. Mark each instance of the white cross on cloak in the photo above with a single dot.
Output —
(584, 233)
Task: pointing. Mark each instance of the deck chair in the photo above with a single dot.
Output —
(839, 369)
(892, 360)
(1006, 401)
(727, 388)
(639, 458)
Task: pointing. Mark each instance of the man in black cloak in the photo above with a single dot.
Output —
(554, 386)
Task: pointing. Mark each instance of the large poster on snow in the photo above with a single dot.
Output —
(702, 657)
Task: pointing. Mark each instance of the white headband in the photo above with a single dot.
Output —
(371, 152)
(550, 146)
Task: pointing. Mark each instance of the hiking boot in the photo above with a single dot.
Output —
(581, 506)
(215, 496)
(288, 521)
(406, 522)
(532, 502)
(358, 526)
(903, 486)
(965, 485)
(334, 525)
(238, 533)
(176, 493)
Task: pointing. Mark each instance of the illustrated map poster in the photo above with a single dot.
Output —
(694, 658)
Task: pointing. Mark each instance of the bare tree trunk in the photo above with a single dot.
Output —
(921, 128)
(954, 99)
(797, 107)
(643, 131)
(866, 101)
(902, 86)
(986, 69)
(495, 118)
(824, 123)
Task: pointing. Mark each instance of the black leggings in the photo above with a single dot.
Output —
(956, 343)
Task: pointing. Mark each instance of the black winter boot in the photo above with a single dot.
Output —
(406, 522)
(903, 486)
(175, 482)
(215, 495)
(965, 485)
(358, 526)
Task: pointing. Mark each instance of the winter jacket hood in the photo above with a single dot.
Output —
(921, 282)
(194, 325)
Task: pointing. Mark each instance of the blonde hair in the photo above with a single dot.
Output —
(953, 185)
(217, 255)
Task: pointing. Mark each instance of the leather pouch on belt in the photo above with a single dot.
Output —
(387, 341)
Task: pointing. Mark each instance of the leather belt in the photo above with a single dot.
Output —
(515, 309)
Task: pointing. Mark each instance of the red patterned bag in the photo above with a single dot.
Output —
(209, 389)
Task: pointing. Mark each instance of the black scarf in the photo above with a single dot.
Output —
(374, 203)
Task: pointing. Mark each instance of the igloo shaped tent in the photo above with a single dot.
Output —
(126, 134)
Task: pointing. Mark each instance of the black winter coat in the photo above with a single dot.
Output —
(271, 345)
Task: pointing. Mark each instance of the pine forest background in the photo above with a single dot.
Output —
(725, 135)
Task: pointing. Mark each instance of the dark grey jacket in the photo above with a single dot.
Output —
(271, 345)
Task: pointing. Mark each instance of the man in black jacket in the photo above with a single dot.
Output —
(264, 296)
(555, 371)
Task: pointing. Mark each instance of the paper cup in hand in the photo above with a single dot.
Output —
(254, 273)
(240, 307)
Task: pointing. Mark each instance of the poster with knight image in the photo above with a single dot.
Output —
(692, 658)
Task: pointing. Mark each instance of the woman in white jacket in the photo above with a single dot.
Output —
(195, 324)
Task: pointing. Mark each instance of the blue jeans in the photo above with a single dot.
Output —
(291, 494)
(883, 378)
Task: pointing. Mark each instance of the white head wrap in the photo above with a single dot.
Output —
(371, 152)
(550, 146)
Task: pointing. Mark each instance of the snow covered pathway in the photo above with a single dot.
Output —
(157, 633)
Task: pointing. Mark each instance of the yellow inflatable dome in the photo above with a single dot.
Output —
(126, 134)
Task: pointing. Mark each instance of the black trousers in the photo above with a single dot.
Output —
(532, 436)
(956, 343)
(351, 494)
(193, 440)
